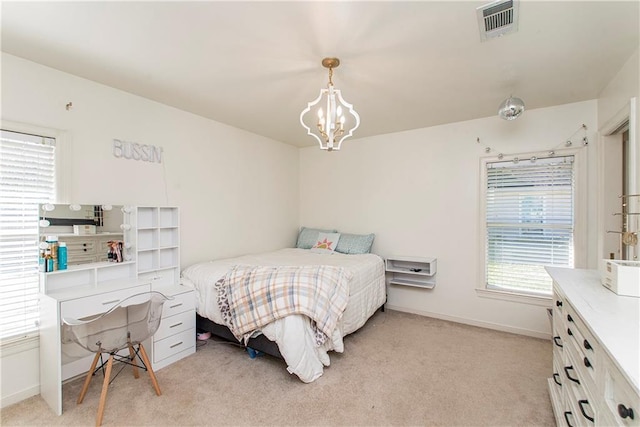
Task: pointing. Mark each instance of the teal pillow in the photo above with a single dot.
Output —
(309, 237)
(355, 243)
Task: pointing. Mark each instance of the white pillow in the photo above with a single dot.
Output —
(326, 243)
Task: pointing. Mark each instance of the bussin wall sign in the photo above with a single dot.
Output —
(135, 151)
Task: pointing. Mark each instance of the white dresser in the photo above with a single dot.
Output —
(596, 352)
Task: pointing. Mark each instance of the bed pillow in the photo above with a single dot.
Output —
(355, 243)
(326, 243)
(309, 236)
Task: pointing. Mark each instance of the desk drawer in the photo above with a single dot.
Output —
(101, 303)
(180, 303)
(174, 344)
(173, 324)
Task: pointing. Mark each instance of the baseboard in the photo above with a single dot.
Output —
(472, 322)
(19, 396)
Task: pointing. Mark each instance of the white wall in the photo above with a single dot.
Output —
(613, 100)
(418, 191)
(237, 191)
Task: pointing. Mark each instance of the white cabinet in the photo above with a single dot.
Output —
(411, 271)
(596, 338)
(176, 335)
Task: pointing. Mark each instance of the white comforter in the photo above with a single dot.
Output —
(294, 334)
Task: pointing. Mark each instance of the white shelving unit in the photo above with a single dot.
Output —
(157, 244)
(411, 271)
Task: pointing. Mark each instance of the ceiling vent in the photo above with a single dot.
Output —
(497, 19)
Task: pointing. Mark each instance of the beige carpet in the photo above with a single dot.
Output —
(400, 369)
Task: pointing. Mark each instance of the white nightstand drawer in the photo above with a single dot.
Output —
(180, 303)
(174, 344)
(173, 324)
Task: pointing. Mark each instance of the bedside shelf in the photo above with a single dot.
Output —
(417, 272)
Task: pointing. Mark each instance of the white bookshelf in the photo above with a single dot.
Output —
(157, 244)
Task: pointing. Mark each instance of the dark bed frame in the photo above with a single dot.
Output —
(259, 343)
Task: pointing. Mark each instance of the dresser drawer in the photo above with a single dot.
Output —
(101, 303)
(173, 324)
(179, 303)
(174, 344)
(583, 366)
(621, 400)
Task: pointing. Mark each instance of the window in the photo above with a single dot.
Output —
(27, 178)
(528, 222)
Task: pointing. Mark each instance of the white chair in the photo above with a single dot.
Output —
(126, 325)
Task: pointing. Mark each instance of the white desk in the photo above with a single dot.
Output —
(80, 292)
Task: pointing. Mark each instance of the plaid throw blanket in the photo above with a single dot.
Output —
(251, 297)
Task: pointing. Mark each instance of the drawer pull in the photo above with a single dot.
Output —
(175, 345)
(555, 379)
(587, 345)
(110, 302)
(569, 318)
(566, 371)
(558, 303)
(584, 414)
(566, 417)
(180, 323)
(569, 331)
(625, 412)
(555, 341)
(587, 363)
(175, 305)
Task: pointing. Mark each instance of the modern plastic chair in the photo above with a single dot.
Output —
(126, 325)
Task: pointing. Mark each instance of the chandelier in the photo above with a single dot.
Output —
(511, 108)
(337, 121)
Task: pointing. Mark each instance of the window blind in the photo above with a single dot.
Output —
(529, 222)
(27, 178)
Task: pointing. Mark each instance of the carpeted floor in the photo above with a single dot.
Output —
(400, 369)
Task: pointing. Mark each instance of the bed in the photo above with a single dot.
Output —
(293, 337)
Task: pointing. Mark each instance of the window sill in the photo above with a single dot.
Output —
(544, 301)
(13, 346)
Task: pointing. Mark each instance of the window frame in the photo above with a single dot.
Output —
(60, 191)
(580, 236)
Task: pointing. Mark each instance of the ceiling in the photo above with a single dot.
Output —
(255, 65)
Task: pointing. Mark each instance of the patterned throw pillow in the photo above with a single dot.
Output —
(309, 236)
(326, 243)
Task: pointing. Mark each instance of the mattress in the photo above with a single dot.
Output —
(293, 334)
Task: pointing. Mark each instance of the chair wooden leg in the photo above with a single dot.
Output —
(103, 395)
(145, 359)
(132, 356)
(87, 380)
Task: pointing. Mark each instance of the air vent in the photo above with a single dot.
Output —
(497, 19)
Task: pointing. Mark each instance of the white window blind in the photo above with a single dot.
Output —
(529, 223)
(27, 178)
